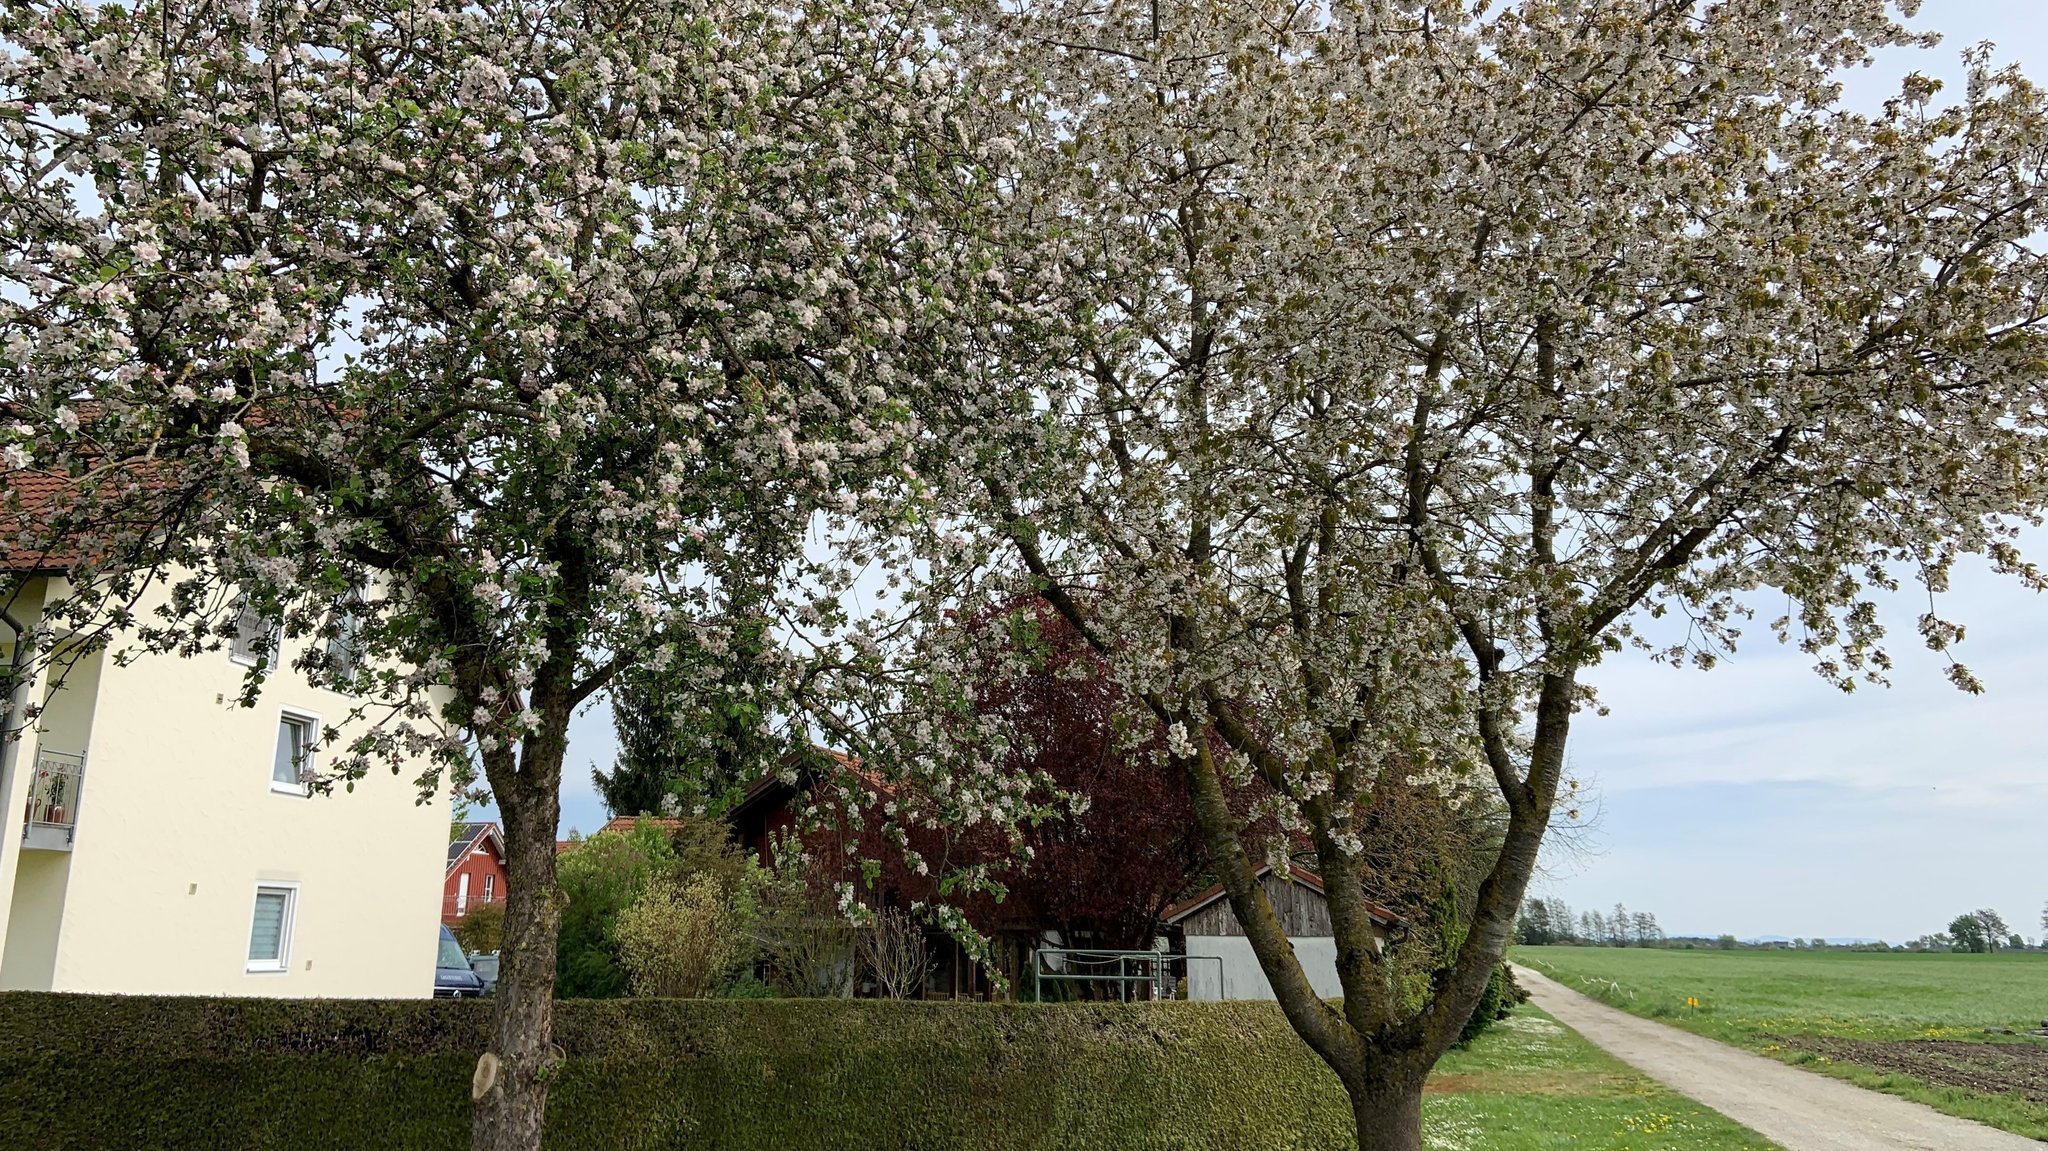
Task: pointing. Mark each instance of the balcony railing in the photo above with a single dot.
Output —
(53, 796)
(455, 907)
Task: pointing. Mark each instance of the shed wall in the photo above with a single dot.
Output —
(1229, 958)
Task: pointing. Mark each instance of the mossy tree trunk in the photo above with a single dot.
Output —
(1389, 1116)
(511, 1087)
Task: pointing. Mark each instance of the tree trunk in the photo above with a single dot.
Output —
(1389, 1116)
(512, 1077)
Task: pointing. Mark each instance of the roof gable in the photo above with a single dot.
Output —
(1301, 877)
(474, 836)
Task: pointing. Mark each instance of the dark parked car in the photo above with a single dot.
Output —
(452, 977)
(485, 964)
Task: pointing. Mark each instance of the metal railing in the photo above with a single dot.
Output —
(1122, 975)
(455, 906)
(53, 791)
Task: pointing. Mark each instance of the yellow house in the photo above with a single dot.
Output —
(155, 837)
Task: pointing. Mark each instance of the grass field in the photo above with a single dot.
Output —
(1908, 1023)
(1529, 1084)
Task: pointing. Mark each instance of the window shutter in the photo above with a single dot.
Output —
(266, 934)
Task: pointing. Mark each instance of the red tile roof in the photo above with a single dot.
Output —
(33, 504)
(620, 823)
(628, 822)
(27, 503)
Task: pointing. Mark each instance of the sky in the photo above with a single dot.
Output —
(1757, 800)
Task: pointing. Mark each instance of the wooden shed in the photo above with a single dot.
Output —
(1220, 961)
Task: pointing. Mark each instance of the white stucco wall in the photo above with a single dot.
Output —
(29, 957)
(1239, 970)
(16, 756)
(177, 825)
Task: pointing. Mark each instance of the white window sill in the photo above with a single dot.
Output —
(298, 790)
(266, 969)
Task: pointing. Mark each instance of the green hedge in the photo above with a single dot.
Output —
(87, 1072)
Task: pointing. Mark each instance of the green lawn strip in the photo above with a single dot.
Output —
(1766, 1001)
(1529, 1084)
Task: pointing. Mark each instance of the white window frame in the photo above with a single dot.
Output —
(461, 893)
(273, 629)
(309, 762)
(283, 962)
(490, 888)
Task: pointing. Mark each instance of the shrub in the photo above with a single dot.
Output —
(600, 877)
(136, 1073)
(678, 941)
(891, 947)
(810, 952)
(809, 943)
(603, 875)
(483, 929)
(746, 986)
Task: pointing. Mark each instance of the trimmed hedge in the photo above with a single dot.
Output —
(87, 1072)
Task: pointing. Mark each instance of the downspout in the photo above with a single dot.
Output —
(17, 701)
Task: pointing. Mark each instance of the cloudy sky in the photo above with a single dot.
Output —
(1757, 800)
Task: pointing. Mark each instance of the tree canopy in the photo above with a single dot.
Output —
(1351, 379)
(516, 340)
(1410, 354)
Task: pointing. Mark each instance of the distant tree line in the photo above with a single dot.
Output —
(1550, 921)
(1978, 932)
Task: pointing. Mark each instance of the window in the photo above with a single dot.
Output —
(462, 893)
(490, 888)
(344, 651)
(256, 640)
(270, 929)
(291, 768)
(451, 953)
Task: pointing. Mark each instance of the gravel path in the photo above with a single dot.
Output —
(1798, 1110)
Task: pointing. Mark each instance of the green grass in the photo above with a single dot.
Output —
(1529, 1084)
(1761, 999)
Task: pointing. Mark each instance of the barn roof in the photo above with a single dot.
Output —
(1299, 874)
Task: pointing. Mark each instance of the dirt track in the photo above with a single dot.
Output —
(1798, 1110)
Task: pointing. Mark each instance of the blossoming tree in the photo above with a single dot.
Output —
(502, 340)
(1424, 347)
